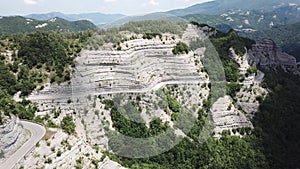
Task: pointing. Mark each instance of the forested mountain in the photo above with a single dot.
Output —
(250, 20)
(230, 15)
(96, 18)
(282, 21)
(217, 7)
(18, 24)
(286, 36)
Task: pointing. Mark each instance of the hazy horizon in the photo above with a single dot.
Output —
(125, 7)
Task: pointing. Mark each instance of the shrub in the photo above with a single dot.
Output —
(181, 48)
(151, 35)
(58, 154)
(68, 125)
(48, 161)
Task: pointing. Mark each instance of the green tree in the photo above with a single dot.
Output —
(7, 79)
(233, 88)
(68, 125)
(181, 48)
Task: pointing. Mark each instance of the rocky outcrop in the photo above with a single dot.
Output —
(242, 61)
(227, 117)
(268, 55)
(12, 136)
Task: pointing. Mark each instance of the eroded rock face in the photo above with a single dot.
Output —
(140, 66)
(268, 55)
(12, 136)
(227, 117)
(229, 114)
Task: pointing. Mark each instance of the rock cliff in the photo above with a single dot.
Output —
(268, 55)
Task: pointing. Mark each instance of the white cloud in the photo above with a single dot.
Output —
(153, 2)
(30, 2)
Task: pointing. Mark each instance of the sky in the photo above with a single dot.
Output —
(127, 7)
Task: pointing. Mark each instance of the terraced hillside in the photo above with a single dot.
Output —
(127, 71)
(142, 79)
(137, 72)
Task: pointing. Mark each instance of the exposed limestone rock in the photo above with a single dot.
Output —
(227, 117)
(12, 136)
(251, 89)
(267, 54)
(241, 60)
(140, 67)
(108, 164)
(248, 98)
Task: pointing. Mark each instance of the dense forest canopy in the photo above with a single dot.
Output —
(277, 122)
(39, 56)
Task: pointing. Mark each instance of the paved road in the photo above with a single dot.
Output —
(37, 133)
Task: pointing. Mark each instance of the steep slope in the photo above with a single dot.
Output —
(287, 37)
(277, 122)
(13, 136)
(18, 24)
(228, 119)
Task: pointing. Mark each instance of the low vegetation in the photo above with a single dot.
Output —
(24, 109)
(181, 48)
(132, 128)
(68, 125)
(228, 152)
(154, 26)
(151, 35)
(232, 88)
(222, 42)
(148, 28)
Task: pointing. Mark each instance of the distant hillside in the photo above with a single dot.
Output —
(96, 18)
(286, 36)
(147, 17)
(250, 20)
(18, 24)
(219, 6)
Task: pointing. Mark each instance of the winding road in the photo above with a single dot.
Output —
(37, 132)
